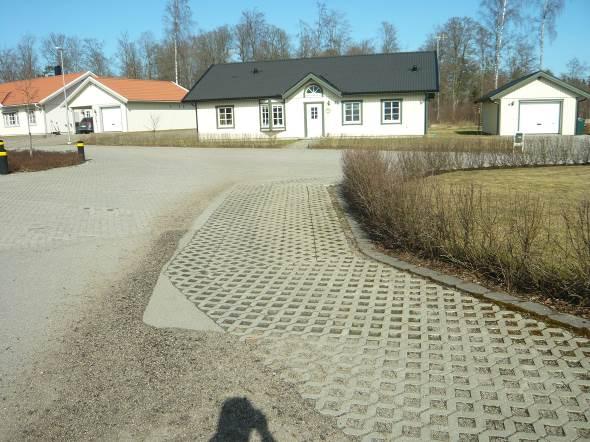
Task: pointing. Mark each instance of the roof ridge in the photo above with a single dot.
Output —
(324, 57)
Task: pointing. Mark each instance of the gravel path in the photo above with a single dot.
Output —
(80, 252)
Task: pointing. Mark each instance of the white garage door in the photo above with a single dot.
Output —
(111, 119)
(539, 118)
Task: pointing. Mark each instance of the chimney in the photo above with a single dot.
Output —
(57, 70)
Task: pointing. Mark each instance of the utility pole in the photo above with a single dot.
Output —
(63, 80)
(439, 37)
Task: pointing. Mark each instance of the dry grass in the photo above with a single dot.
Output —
(526, 229)
(22, 161)
(181, 138)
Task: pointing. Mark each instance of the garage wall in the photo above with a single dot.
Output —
(537, 90)
(168, 115)
(489, 114)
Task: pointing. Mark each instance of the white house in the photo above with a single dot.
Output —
(127, 105)
(114, 104)
(37, 104)
(365, 95)
(538, 103)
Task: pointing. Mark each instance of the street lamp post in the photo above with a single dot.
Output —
(63, 79)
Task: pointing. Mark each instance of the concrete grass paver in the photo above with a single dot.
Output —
(391, 355)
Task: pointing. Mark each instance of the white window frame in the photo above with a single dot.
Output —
(8, 116)
(264, 116)
(317, 93)
(33, 120)
(391, 120)
(222, 117)
(350, 119)
(278, 118)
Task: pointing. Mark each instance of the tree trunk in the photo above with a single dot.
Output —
(176, 59)
(499, 36)
(542, 35)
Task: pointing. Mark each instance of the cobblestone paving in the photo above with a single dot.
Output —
(393, 356)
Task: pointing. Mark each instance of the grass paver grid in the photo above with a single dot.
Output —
(391, 355)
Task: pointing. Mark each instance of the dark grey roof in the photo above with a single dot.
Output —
(354, 74)
(514, 84)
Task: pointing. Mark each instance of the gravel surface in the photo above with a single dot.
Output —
(115, 378)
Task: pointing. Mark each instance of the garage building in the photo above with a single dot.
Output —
(538, 103)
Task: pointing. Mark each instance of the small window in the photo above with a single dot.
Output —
(277, 115)
(10, 119)
(351, 112)
(32, 117)
(391, 111)
(314, 113)
(225, 117)
(313, 90)
(264, 116)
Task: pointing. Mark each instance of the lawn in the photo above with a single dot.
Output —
(561, 184)
(180, 138)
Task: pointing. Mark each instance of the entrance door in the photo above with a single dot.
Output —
(314, 119)
(111, 119)
(540, 117)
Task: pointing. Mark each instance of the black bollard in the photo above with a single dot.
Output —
(81, 155)
(3, 159)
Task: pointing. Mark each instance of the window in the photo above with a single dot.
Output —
(225, 117)
(391, 111)
(351, 112)
(314, 113)
(313, 90)
(10, 119)
(278, 115)
(264, 116)
(32, 117)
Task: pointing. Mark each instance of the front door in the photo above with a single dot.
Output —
(314, 120)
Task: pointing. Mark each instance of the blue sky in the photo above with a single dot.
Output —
(106, 19)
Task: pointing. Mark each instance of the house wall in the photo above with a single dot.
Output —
(537, 90)
(22, 129)
(96, 98)
(140, 116)
(489, 113)
(247, 116)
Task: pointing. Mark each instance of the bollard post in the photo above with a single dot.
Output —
(3, 159)
(81, 154)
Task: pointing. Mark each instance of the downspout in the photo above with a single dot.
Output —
(196, 120)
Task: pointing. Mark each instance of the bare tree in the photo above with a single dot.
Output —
(362, 47)
(153, 122)
(9, 65)
(388, 35)
(329, 35)
(212, 47)
(249, 35)
(178, 20)
(308, 44)
(148, 50)
(275, 44)
(73, 51)
(128, 56)
(521, 57)
(26, 56)
(498, 14)
(29, 93)
(482, 42)
(95, 59)
(549, 10)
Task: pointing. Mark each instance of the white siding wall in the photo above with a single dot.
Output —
(537, 90)
(247, 118)
(96, 98)
(36, 129)
(489, 112)
(169, 116)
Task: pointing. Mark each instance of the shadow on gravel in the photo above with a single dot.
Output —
(238, 419)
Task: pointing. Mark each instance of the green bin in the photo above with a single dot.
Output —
(580, 123)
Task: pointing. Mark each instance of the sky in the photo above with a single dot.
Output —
(107, 19)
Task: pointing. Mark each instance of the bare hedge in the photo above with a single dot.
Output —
(523, 241)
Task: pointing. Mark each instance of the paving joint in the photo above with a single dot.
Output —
(535, 309)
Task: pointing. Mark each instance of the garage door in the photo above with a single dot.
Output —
(111, 119)
(540, 117)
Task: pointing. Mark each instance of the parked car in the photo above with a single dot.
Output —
(86, 126)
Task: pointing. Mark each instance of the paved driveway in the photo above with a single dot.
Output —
(69, 232)
(391, 355)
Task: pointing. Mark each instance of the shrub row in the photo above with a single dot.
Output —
(521, 241)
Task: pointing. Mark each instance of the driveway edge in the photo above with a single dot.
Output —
(539, 311)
